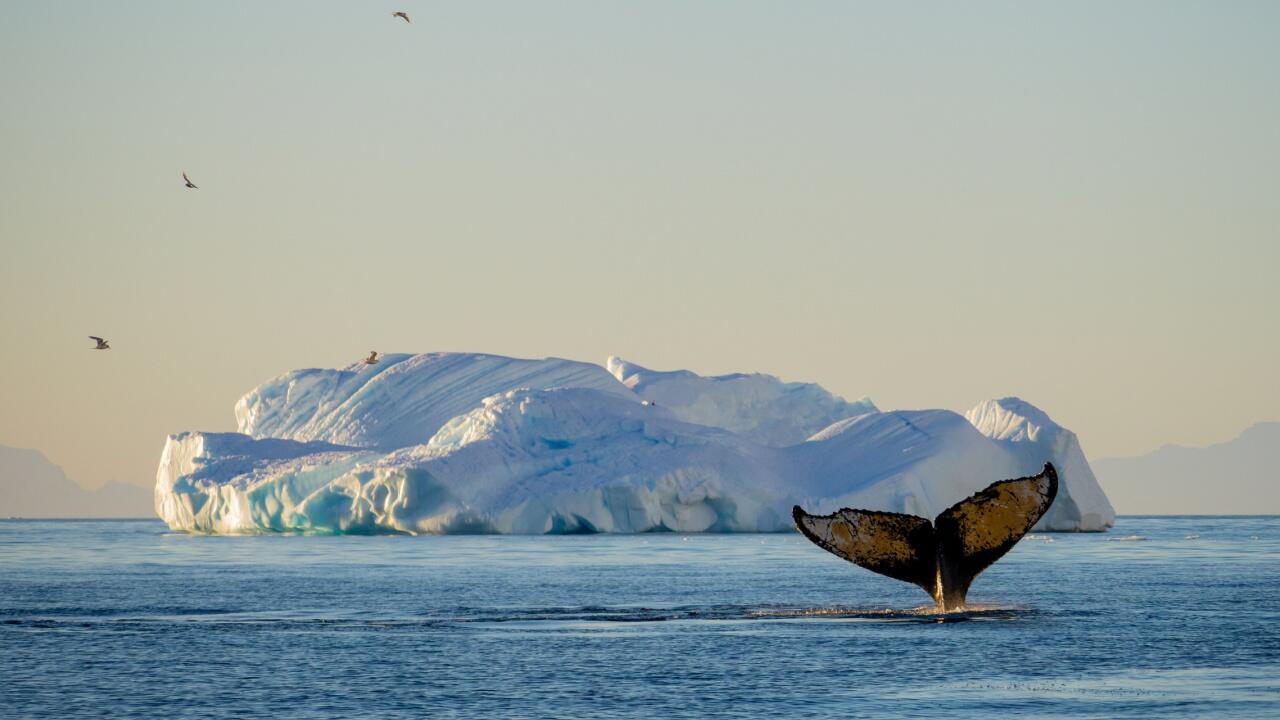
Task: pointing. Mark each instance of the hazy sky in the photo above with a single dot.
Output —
(927, 203)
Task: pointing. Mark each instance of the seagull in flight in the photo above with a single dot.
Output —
(188, 181)
(402, 14)
(372, 359)
(102, 344)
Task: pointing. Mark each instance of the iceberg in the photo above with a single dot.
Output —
(400, 401)
(1030, 436)
(233, 483)
(554, 446)
(759, 407)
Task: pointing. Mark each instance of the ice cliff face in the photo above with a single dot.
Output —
(1029, 436)
(229, 483)
(574, 450)
(759, 407)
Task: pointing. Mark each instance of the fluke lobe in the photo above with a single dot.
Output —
(942, 557)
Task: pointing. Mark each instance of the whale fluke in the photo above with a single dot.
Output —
(944, 556)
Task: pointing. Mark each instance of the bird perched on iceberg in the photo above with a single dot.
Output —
(372, 359)
(102, 344)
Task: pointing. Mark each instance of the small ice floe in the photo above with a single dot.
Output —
(1193, 536)
(1041, 538)
(1127, 538)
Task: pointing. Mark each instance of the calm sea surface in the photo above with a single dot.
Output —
(1162, 617)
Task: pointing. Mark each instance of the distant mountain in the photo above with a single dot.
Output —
(1239, 477)
(33, 487)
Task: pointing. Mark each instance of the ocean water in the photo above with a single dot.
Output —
(1162, 617)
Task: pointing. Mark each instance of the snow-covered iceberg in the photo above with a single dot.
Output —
(757, 406)
(1030, 436)
(566, 447)
(402, 399)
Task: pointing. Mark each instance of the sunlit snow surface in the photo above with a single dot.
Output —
(450, 443)
(756, 406)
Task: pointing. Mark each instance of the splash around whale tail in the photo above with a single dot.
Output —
(944, 556)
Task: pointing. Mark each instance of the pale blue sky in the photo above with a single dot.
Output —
(929, 204)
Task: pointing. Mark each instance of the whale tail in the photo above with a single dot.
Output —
(944, 556)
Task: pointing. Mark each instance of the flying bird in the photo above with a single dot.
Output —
(102, 344)
(401, 14)
(188, 181)
(372, 359)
